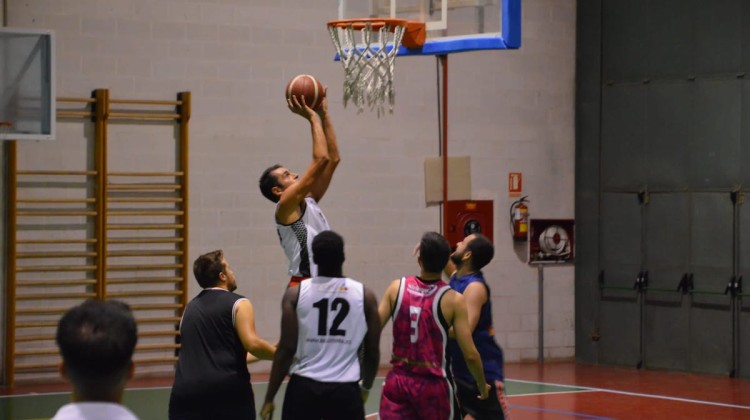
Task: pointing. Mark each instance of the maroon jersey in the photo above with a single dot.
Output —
(420, 333)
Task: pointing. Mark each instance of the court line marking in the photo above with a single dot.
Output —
(638, 394)
(39, 394)
(582, 388)
(35, 394)
(550, 410)
(144, 388)
(534, 394)
(547, 410)
(42, 394)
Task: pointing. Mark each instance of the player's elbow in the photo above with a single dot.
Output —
(322, 161)
(472, 358)
(284, 355)
(255, 349)
(260, 349)
(333, 163)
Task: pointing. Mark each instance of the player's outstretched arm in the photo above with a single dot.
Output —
(466, 343)
(385, 310)
(371, 358)
(294, 194)
(245, 326)
(321, 184)
(282, 361)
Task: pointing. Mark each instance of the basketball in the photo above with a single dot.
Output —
(307, 86)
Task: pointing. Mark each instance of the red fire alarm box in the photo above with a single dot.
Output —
(464, 217)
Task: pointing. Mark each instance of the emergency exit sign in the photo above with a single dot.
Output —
(515, 184)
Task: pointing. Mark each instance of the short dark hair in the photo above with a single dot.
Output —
(434, 250)
(207, 268)
(328, 251)
(96, 340)
(481, 250)
(268, 181)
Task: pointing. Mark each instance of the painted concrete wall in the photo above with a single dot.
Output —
(510, 111)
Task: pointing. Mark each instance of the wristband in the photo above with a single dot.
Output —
(361, 386)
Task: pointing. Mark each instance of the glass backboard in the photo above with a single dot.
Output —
(452, 25)
(27, 84)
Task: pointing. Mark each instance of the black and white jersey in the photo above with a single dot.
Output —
(296, 239)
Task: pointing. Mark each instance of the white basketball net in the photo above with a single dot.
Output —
(368, 65)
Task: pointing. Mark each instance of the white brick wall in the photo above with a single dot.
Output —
(510, 111)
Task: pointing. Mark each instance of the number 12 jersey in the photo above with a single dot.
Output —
(331, 327)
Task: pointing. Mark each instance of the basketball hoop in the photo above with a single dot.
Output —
(369, 64)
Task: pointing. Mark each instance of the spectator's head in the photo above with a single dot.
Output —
(96, 340)
(475, 250)
(212, 270)
(434, 251)
(328, 253)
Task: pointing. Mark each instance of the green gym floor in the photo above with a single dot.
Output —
(535, 391)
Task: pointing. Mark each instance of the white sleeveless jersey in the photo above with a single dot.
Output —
(296, 239)
(331, 317)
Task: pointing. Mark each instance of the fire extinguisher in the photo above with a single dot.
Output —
(519, 219)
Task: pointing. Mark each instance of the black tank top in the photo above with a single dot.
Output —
(212, 366)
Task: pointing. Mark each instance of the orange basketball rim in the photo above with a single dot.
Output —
(414, 31)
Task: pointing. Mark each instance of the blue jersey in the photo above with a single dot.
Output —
(483, 335)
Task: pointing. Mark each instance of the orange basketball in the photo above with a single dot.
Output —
(307, 86)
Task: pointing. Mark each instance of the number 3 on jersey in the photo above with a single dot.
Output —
(341, 306)
(414, 312)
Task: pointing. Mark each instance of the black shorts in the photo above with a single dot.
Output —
(309, 399)
(493, 408)
(216, 412)
(238, 405)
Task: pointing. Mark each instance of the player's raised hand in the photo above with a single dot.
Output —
(299, 107)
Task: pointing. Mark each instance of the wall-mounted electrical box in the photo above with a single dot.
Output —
(464, 217)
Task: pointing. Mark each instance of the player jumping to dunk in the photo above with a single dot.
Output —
(423, 309)
(298, 217)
